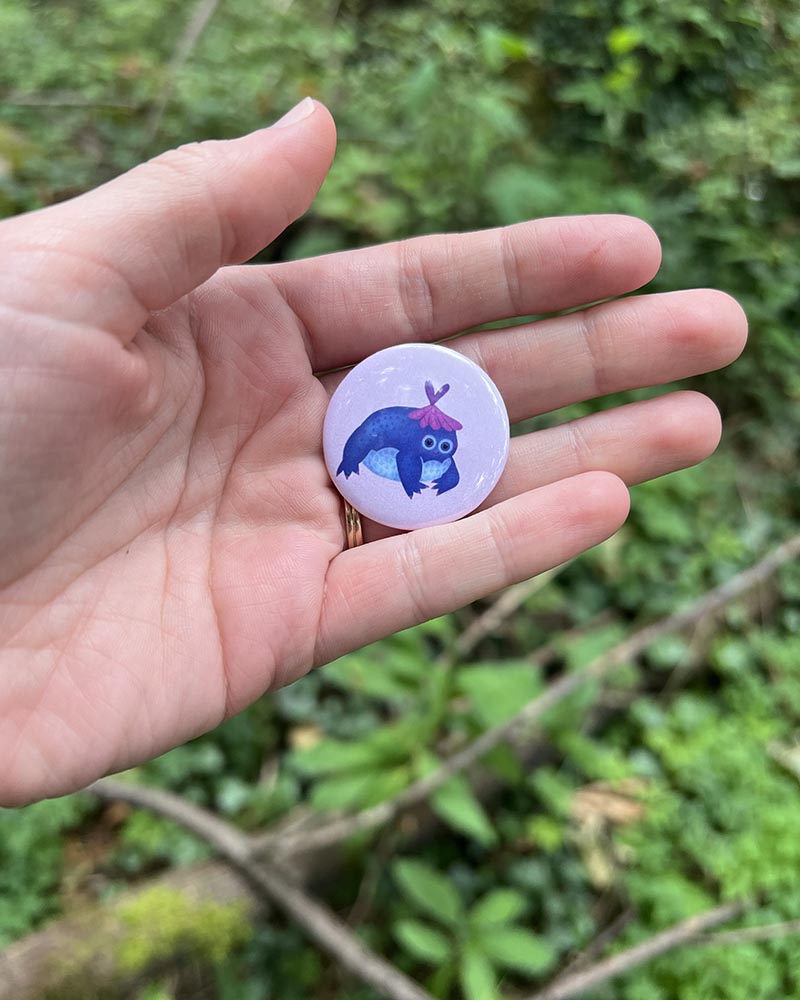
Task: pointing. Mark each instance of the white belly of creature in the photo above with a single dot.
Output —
(384, 463)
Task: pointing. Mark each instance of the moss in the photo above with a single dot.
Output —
(160, 922)
(156, 928)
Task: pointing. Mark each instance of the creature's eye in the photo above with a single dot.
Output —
(429, 442)
(445, 446)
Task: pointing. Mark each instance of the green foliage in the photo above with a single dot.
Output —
(148, 840)
(31, 862)
(500, 906)
(480, 941)
(459, 114)
(496, 690)
(155, 991)
(429, 891)
(477, 976)
(422, 941)
(517, 949)
(456, 804)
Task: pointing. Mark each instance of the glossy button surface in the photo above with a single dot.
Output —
(416, 435)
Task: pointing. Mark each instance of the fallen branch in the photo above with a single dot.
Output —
(709, 604)
(500, 610)
(318, 922)
(683, 933)
(597, 945)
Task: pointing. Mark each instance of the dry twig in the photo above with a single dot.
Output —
(501, 609)
(683, 933)
(318, 922)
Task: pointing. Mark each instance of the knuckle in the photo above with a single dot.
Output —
(591, 336)
(511, 270)
(416, 295)
(412, 573)
(183, 160)
(579, 445)
(504, 543)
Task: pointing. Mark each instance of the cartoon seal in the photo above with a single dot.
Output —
(413, 447)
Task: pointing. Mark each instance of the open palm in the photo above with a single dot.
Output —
(170, 543)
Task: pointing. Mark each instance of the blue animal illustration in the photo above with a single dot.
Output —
(412, 447)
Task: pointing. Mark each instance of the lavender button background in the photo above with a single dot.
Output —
(396, 377)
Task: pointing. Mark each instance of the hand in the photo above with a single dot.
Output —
(170, 542)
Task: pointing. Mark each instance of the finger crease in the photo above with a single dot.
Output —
(589, 332)
(511, 270)
(415, 293)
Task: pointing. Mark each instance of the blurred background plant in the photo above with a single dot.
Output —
(654, 796)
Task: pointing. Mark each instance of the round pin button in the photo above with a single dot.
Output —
(416, 435)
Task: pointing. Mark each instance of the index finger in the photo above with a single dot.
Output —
(356, 302)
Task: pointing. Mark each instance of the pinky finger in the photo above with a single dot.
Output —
(396, 582)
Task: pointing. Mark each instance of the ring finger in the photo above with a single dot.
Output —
(636, 442)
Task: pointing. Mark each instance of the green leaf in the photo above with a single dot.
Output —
(500, 906)
(503, 762)
(581, 651)
(622, 40)
(478, 978)
(422, 941)
(330, 756)
(518, 949)
(155, 991)
(429, 891)
(457, 805)
(359, 789)
(421, 86)
(391, 670)
(546, 832)
(359, 673)
(499, 47)
(497, 691)
(385, 747)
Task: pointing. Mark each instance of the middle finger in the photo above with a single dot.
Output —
(625, 344)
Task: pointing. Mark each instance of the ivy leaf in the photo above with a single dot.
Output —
(429, 891)
(457, 805)
(500, 906)
(518, 949)
(422, 941)
(478, 978)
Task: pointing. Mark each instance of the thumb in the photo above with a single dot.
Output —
(141, 241)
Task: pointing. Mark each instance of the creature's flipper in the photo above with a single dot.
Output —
(355, 451)
(348, 470)
(409, 468)
(447, 481)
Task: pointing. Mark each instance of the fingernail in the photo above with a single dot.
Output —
(297, 113)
